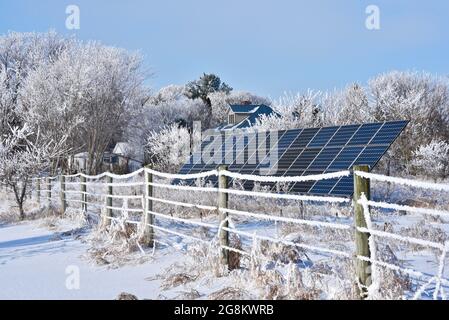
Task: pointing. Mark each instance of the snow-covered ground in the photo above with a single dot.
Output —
(50, 258)
(36, 263)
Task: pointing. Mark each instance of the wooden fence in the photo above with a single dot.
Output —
(365, 256)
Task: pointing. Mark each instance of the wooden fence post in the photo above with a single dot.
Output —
(83, 193)
(223, 203)
(148, 218)
(48, 191)
(62, 194)
(38, 191)
(363, 268)
(109, 201)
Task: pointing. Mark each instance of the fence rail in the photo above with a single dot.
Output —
(365, 255)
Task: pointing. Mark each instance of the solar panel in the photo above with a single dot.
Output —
(298, 152)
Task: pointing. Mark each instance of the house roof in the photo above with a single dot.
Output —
(253, 111)
(243, 108)
(121, 148)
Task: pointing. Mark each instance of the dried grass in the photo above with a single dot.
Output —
(426, 231)
(116, 243)
(230, 293)
(177, 279)
(234, 257)
(190, 294)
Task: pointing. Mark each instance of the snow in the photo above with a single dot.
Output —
(33, 262)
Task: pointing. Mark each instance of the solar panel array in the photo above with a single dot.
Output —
(299, 152)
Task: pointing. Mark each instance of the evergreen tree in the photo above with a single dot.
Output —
(205, 85)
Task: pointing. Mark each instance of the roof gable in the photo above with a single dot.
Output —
(121, 148)
(244, 108)
(254, 111)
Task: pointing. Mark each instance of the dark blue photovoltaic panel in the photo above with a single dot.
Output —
(302, 152)
(371, 154)
(343, 135)
(342, 186)
(324, 159)
(323, 186)
(304, 138)
(345, 158)
(323, 136)
(302, 187)
(388, 132)
(304, 160)
(365, 134)
(287, 139)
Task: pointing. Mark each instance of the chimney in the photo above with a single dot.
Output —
(246, 102)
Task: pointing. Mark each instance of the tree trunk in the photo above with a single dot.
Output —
(208, 104)
(20, 197)
(21, 211)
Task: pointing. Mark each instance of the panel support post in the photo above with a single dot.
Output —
(223, 203)
(363, 268)
(62, 194)
(148, 218)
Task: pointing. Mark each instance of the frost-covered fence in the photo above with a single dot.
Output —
(44, 188)
(374, 233)
(132, 198)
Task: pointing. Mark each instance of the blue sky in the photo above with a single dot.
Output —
(266, 47)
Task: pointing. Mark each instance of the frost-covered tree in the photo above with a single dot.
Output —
(48, 100)
(432, 160)
(24, 154)
(169, 94)
(347, 106)
(202, 88)
(58, 84)
(91, 87)
(167, 107)
(20, 54)
(169, 148)
(355, 108)
(171, 105)
(295, 110)
(421, 98)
